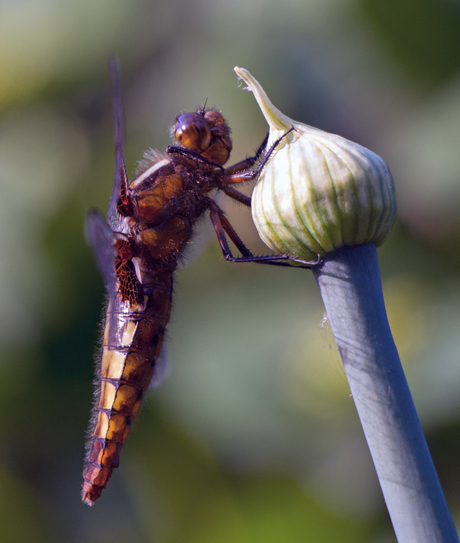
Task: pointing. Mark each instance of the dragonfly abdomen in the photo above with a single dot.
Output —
(125, 374)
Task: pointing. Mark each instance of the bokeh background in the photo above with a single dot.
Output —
(254, 436)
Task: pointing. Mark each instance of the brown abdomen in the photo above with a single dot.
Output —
(125, 374)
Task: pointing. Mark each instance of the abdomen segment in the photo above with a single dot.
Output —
(125, 373)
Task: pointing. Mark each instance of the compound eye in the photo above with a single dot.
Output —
(192, 130)
(214, 118)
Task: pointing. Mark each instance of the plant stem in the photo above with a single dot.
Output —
(350, 285)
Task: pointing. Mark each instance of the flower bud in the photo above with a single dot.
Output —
(318, 191)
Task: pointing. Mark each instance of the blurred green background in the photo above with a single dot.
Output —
(254, 436)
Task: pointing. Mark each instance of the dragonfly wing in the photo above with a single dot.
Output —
(162, 368)
(100, 238)
(120, 182)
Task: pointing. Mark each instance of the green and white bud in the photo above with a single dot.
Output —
(318, 191)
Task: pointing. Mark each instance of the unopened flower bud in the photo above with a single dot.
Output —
(318, 191)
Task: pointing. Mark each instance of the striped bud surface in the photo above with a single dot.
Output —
(318, 191)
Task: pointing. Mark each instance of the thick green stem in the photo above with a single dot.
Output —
(350, 285)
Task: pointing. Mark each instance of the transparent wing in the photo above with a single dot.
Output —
(162, 366)
(100, 238)
(120, 182)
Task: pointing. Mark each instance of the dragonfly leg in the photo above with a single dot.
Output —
(223, 227)
(235, 194)
(231, 171)
(238, 167)
(243, 176)
(188, 153)
(249, 161)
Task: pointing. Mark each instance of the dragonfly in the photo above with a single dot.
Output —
(137, 248)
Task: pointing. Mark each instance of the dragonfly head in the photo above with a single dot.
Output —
(205, 133)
